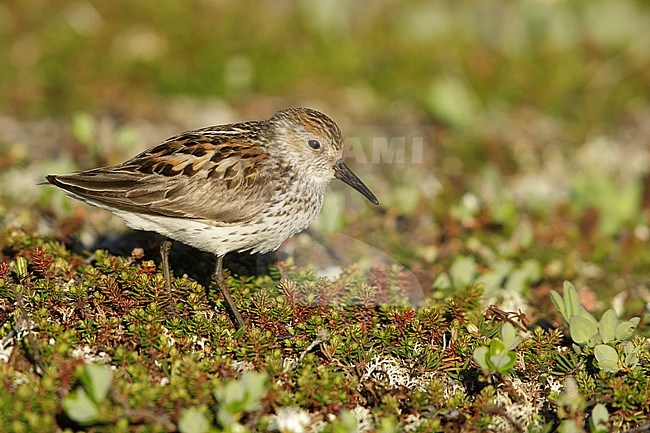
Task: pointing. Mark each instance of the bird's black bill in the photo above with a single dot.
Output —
(343, 172)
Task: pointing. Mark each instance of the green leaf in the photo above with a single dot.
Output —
(480, 356)
(509, 336)
(607, 325)
(587, 315)
(516, 281)
(492, 280)
(532, 268)
(388, 424)
(570, 397)
(453, 101)
(84, 128)
(442, 282)
(599, 418)
(571, 300)
(497, 347)
(80, 407)
(625, 330)
(503, 362)
(239, 396)
(499, 358)
(463, 271)
(581, 329)
(631, 354)
(193, 420)
(519, 279)
(348, 421)
(255, 384)
(558, 301)
(231, 395)
(569, 426)
(96, 379)
(607, 358)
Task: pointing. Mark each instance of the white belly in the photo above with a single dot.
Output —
(266, 233)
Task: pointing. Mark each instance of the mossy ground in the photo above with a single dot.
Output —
(326, 345)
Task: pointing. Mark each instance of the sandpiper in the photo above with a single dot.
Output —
(238, 187)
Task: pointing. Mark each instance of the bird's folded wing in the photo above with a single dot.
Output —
(198, 182)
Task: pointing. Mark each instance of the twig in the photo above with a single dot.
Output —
(508, 316)
(495, 410)
(511, 389)
(322, 336)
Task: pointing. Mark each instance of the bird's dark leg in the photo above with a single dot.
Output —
(233, 311)
(165, 247)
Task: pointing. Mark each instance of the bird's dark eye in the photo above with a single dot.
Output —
(314, 144)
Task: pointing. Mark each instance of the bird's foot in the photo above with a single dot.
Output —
(231, 307)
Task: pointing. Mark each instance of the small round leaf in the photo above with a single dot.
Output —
(607, 358)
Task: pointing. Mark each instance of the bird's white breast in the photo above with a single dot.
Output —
(288, 213)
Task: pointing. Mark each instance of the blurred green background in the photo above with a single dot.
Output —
(582, 62)
(535, 115)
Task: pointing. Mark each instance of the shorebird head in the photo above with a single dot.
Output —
(312, 140)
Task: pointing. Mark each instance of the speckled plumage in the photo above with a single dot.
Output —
(238, 187)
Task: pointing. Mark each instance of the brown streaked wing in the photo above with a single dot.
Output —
(199, 178)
